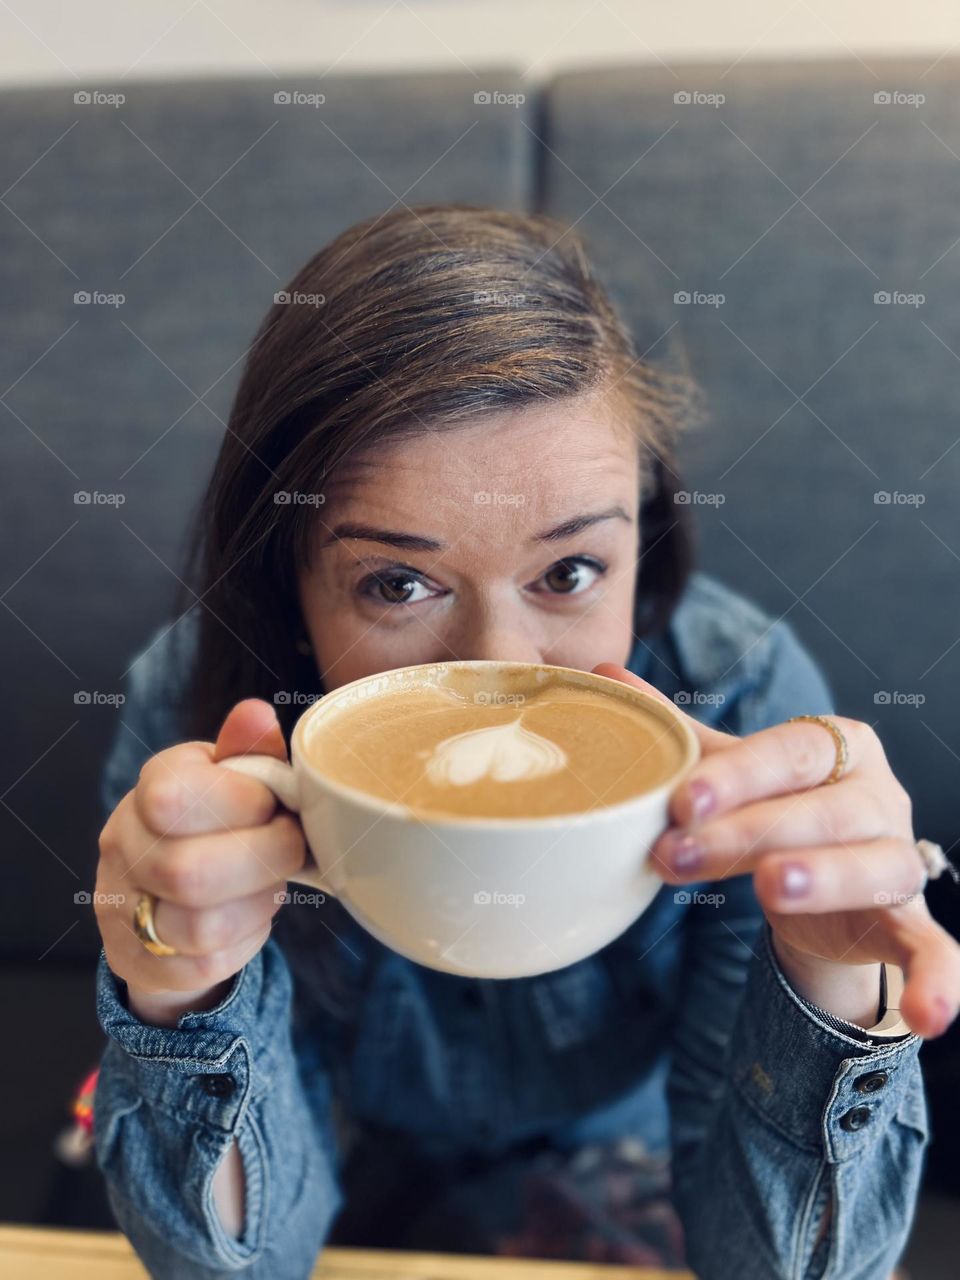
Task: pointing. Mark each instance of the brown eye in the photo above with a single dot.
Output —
(569, 577)
(394, 589)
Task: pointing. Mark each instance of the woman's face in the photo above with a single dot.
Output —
(514, 539)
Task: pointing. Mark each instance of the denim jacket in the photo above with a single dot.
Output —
(682, 1033)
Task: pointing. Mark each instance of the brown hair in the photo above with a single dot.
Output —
(417, 319)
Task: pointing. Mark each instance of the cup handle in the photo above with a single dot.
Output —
(281, 778)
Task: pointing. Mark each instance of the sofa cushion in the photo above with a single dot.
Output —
(795, 195)
(196, 201)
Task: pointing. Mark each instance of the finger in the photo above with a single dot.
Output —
(930, 959)
(709, 739)
(776, 761)
(251, 726)
(190, 795)
(206, 931)
(735, 842)
(204, 871)
(180, 792)
(876, 873)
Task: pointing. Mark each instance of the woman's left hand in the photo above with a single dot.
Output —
(836, 868)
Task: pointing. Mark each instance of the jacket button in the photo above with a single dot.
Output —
(855, 1119)
(219, 1086)
(871, 1083)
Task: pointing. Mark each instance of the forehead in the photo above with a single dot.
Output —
(546, 454)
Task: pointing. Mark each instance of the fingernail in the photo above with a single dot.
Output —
(795, 880)
(702, 798)
(684, 853)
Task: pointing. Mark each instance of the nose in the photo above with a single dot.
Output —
(497, 639)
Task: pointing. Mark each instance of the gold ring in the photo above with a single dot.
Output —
(840, 742)
(145, 929)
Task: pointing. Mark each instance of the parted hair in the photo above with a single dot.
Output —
(418, 319)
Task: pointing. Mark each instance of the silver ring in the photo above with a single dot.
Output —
(934, 861)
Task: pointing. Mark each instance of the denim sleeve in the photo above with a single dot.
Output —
(774, 1113)
(168, 1105)
(169, 1102)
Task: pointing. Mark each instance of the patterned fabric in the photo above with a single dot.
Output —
(604, 1203)
(600, 1202)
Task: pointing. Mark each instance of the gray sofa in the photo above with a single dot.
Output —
(787, 190)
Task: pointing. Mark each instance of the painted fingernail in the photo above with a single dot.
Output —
(795, 880)
(702, 798)
(684, 854)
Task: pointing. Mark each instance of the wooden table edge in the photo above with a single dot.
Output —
(28, 1252)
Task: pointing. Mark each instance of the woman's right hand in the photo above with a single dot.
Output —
(215, 849)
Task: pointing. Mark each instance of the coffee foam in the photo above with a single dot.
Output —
(505, 763)
(502, 753)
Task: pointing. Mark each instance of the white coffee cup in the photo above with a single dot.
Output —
(479, 897)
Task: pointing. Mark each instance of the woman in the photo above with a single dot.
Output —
(444, 445)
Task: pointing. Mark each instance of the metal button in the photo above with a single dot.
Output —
(218, 1086)
(871, 1083)
(855, 1119)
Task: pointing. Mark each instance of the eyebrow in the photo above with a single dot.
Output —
(419, 542)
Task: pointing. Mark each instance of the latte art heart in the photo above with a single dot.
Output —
(441, 750)
(502, 753)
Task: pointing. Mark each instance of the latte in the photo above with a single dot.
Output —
(531, 749)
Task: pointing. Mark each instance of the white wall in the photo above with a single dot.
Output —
(83, 40)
